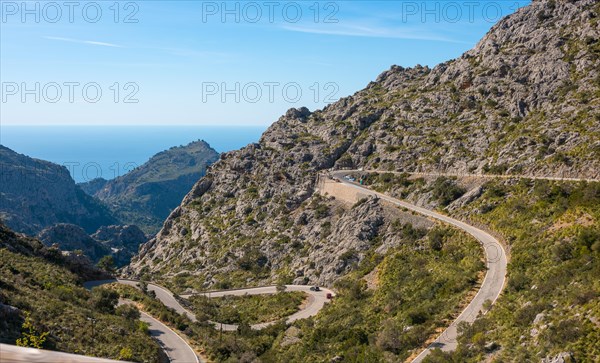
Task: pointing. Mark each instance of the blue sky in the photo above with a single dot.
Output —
(176, 58)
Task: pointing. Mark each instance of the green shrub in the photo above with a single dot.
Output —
(104, 300)
(445, 191)
(128, 311)
(30, 336)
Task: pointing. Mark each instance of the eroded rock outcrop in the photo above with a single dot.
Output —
(146, 195)
(524, 100)
(35, 194)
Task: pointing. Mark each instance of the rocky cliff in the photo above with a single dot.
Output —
(524, 100)
(146, 195)
(27, 246)
(35, 194)
(69, 237)
(122, 242)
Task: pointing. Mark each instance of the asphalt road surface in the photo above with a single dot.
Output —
(316, 301)
(172, 344)
(496, 262)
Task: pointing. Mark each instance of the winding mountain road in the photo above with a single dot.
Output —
(495, 255)
(482, 176)
(162, 294)
(177, 349)
(316, 301)
(491, 287)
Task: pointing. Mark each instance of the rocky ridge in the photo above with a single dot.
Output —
(146, 195)
(35, 194)
(524, 100)
(122, 242)
(28, 246)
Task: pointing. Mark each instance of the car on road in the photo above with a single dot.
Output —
(315, 288)
(329, 295)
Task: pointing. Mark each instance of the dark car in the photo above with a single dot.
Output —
(329, 295)
(315, 288)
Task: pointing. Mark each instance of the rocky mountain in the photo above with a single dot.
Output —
(146, 195)
(122, 242)
(93, 186)
(69, 237)
(17, 243)
(35, 194)
(524, 100)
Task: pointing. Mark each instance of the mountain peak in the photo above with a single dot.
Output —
(146, 195)
(523, 100)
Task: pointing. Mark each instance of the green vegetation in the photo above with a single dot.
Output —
(419, 289)
(150, 305)
(383, 182)
(56, 313)
(553, 231)
(445, 191)
(421, 286)
(30, 337)
(107, 263)
(249, 309)
(147, 194)
(551, 303)
(219, 346)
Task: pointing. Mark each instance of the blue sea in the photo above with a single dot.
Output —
(109, 151)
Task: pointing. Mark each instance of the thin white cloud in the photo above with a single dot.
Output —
(172, 51)
(368, 31)
(195, 53)
(89, 42)
(102, 44)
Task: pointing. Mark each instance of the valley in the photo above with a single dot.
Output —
(440, 214)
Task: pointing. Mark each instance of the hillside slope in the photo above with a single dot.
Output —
(146, 195)
(69, 237)
(121, 242)
(41, 287)
(35, 194)
(524, 100)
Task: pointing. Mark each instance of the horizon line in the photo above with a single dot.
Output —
(140, 125)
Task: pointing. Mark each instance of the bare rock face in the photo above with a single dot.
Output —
(146, 195)
(69, 237)
(128, 237)
(334, 254)
(35, 194)
(564, 357)
(122, 242)
(524, 100)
